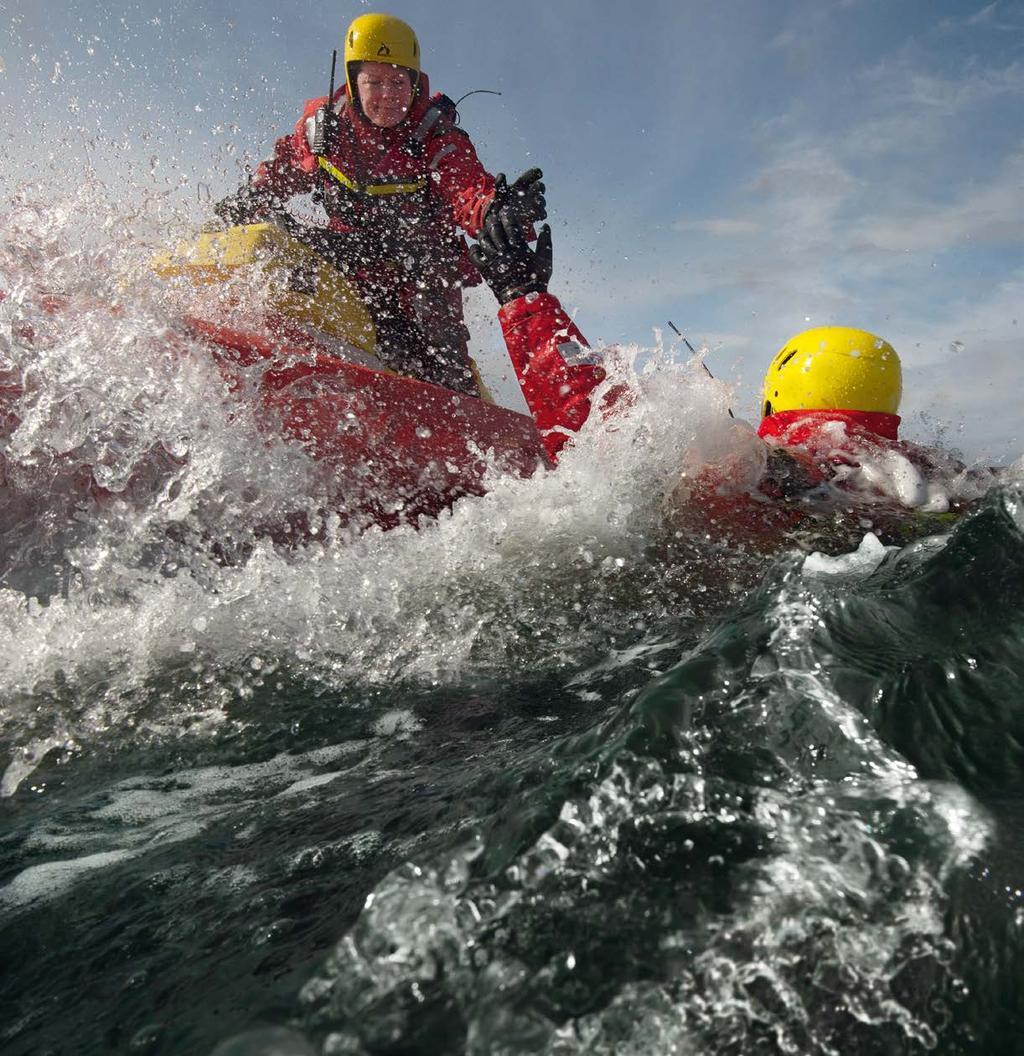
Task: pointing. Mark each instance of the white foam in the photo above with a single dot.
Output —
(865, 559)
(52, 879)
(139, 815)
(428, 605)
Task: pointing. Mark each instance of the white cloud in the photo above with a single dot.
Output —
(724, 226)
(787, 38)
(903, 84)
(983, 17)
(956, 334)
(891, 137)
(956, 94)
(962, 368)
(825, 232)
(994, 16)
(992, 214)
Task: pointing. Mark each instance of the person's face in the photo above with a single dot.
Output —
(385, 93)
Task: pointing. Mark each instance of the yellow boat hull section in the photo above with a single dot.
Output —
(300, 285)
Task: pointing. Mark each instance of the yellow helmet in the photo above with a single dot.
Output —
(381, 38)
(834, 368)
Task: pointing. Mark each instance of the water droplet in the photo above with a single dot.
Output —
(957, 346)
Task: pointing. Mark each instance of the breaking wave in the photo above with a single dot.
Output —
(552, 773)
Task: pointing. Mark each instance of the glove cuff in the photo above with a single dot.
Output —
(513, 293)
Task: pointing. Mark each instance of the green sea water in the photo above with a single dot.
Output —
(793, 825)
(552, 774)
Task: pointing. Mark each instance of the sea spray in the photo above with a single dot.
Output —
(610, 784)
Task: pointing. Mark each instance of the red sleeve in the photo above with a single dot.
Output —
(292, 170)
(461, 180)
(539, 334)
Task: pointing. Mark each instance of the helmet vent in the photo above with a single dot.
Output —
(787, 359)
(383, 50)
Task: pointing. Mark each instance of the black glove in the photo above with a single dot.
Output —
(524, 200)
(246, 206)
(506, 261)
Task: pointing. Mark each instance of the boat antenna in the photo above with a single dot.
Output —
(477, 91)
(694, 351)
(687, 343)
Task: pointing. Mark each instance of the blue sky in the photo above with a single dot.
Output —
(746, 169)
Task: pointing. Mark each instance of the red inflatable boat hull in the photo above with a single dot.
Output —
(395, 448)
(392, 449)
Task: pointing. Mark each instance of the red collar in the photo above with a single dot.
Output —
(797, 427)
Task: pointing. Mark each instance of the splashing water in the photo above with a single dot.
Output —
(166, 459)
(610, 785)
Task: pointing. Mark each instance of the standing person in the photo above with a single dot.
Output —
(397, 177)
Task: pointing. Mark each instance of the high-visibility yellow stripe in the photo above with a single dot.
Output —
(338, 175)
(395, 188)
(372, 188)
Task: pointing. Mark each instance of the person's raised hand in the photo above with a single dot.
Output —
(509, 265)
(524, 198)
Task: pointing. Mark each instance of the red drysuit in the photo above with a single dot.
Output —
(897, 486)
(396, 197)
(854, 450)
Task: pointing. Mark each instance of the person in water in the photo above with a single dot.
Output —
(397, 177)
(826, 387)
(829, 413)
(830, 427)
